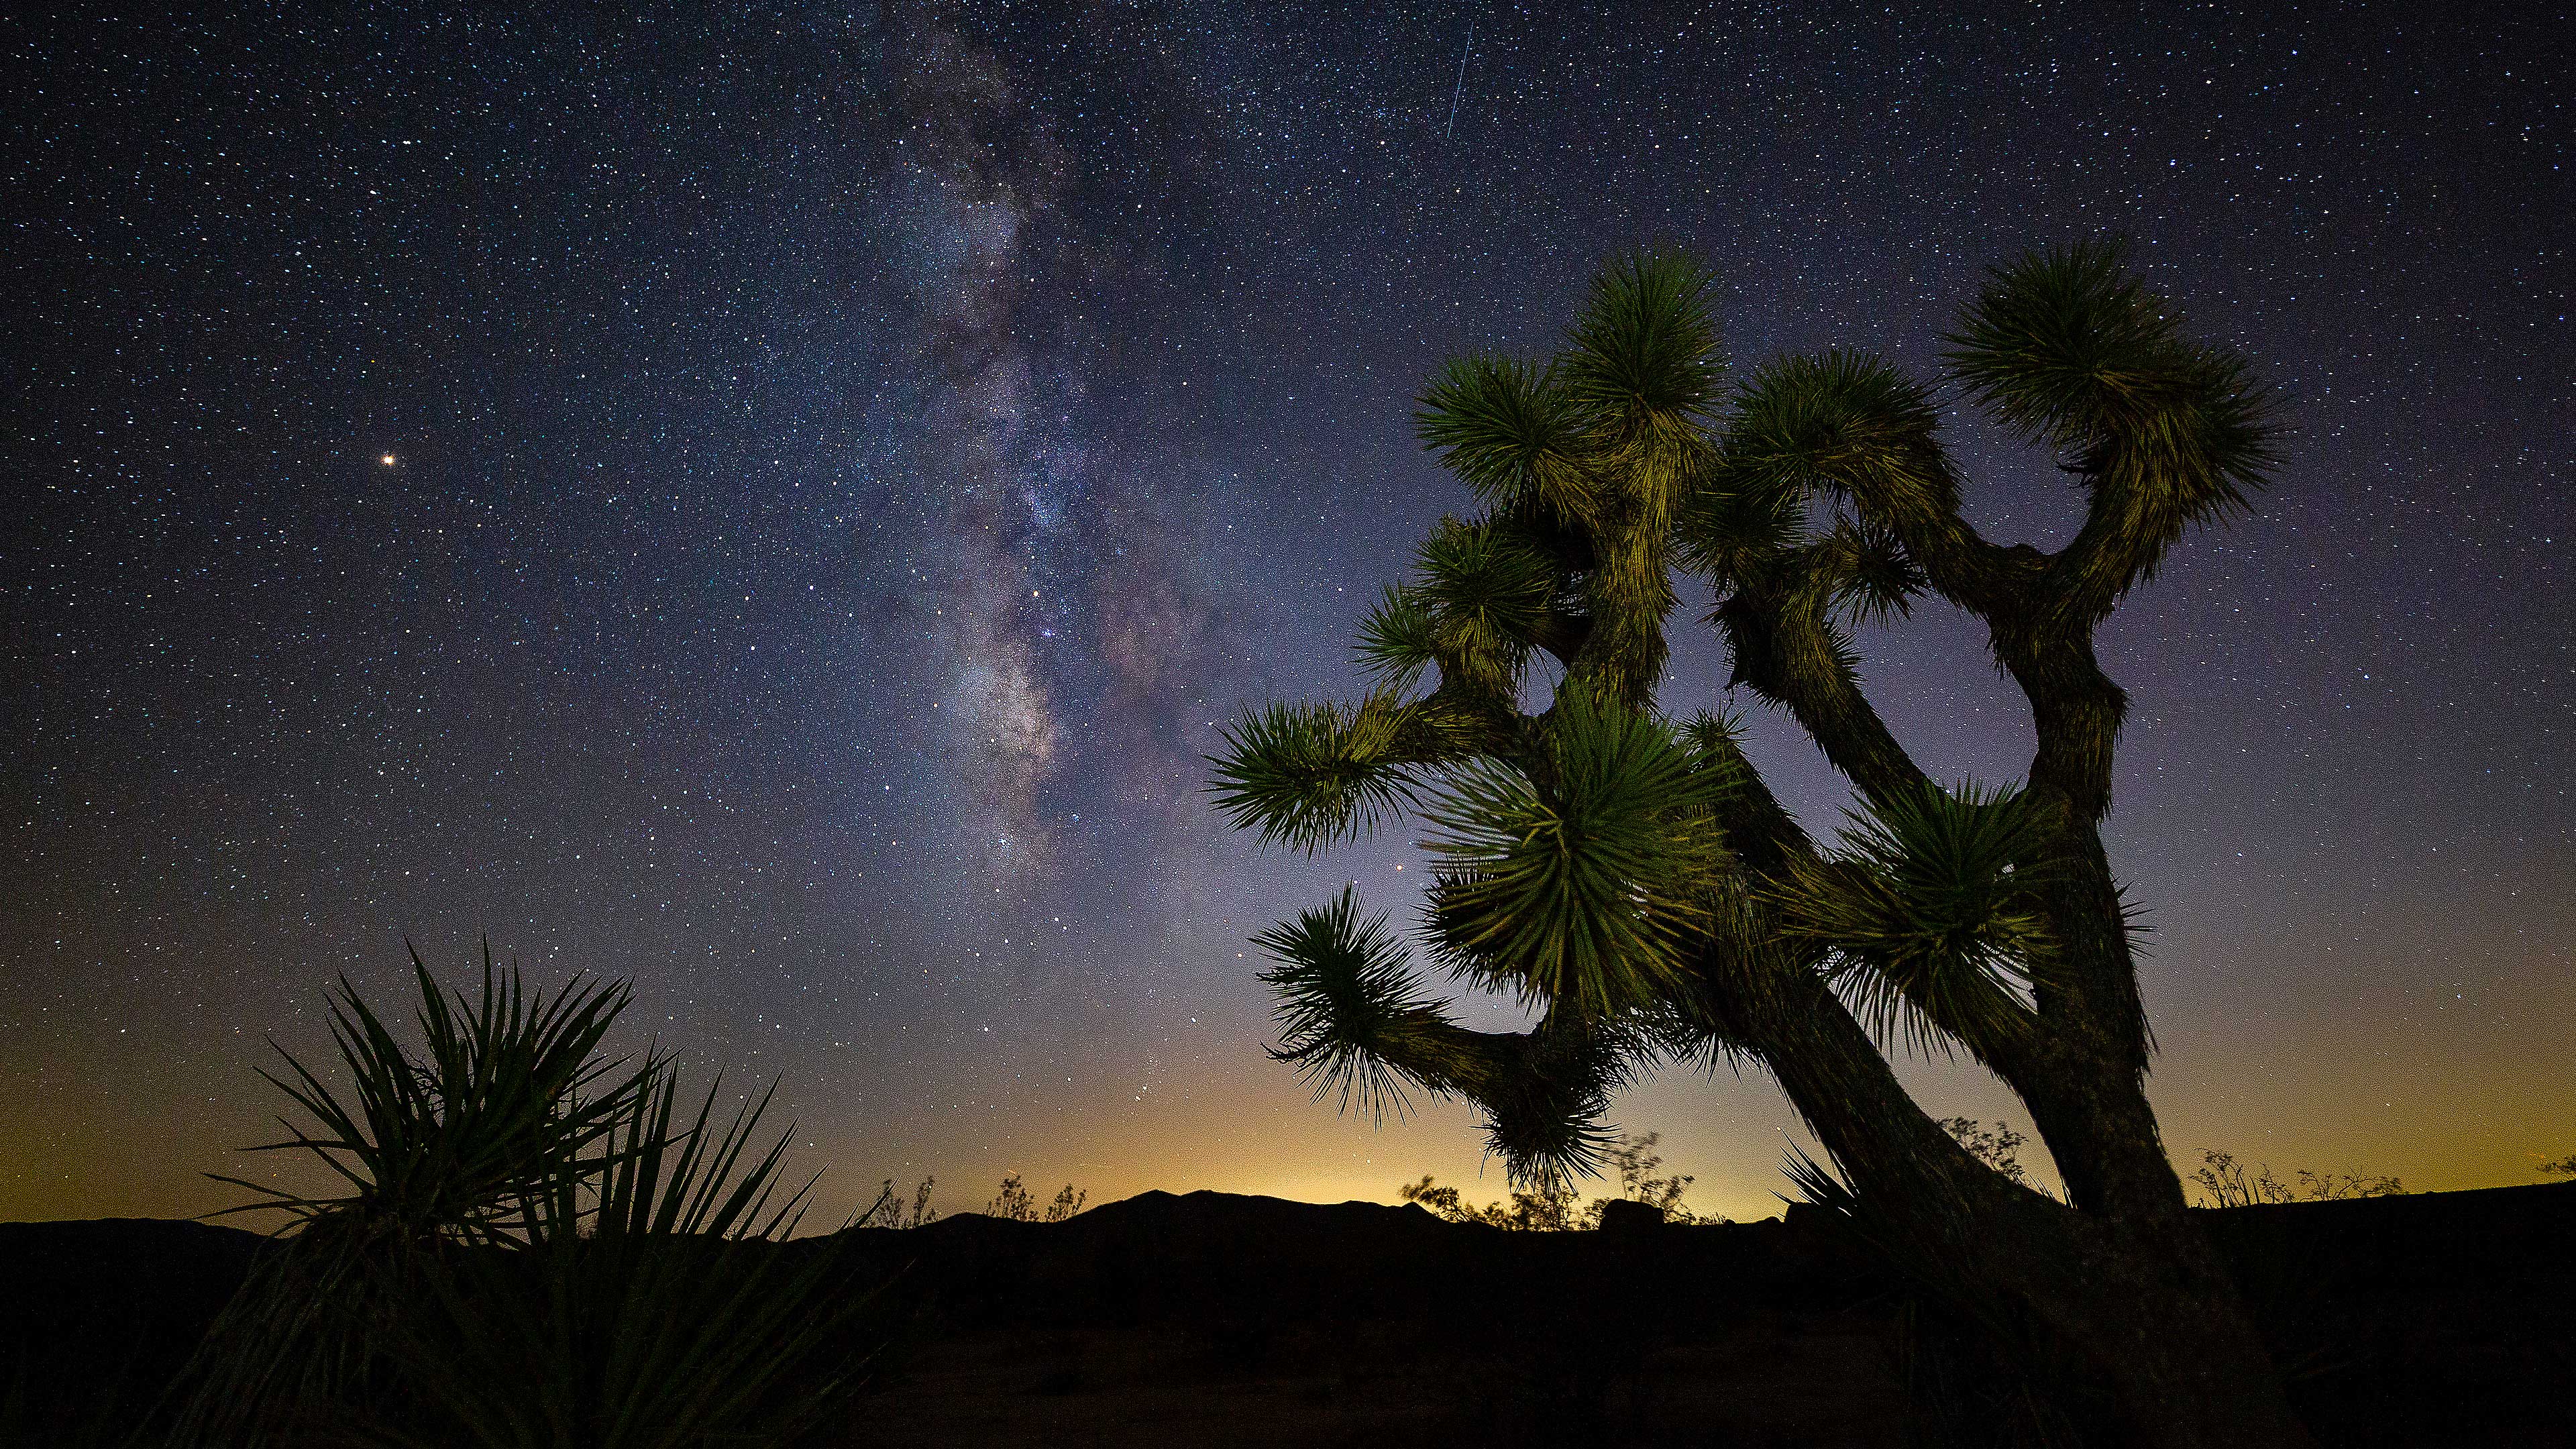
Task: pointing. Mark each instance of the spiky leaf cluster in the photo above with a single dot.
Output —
(639, 1316)
(1346, 998)
(1506, 429)
(1488, 593)
(1642, 366)
(508, 1087)
(1863, 574)
(1843, 422)
(574, 1276)
(1716, 744)
(1929, 912)
(2067, 348)
(1308, 775)
(1399, 639)
(1579, 884)
(1547, 1121)
(2070, 351)
(1737, 528)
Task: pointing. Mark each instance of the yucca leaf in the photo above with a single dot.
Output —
(1865, 573)
(1930, 915)
(505, 1101)
(1504, 429)
(1735, 527)
(2192, 461)
(1818, 1185)
(503, 1096)
(1346, 999)
(1583, 891)
(1843, 421)
(669, 1313)
(1488, 594)
(1310, 775)
(1398, 639)
(1548, 1122)
(1716, 743)
(2066, 348)
(1643, 362)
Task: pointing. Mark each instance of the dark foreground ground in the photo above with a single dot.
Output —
(2439, 1319)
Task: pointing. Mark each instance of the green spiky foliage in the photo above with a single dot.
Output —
(508, 1087)
(1346, 1000)
(530, 1247)
(1930, 916)
(507, 1092)
(1312, 775)
(655, 1305)
(1396, 641)
(1635, 882)
(1585, 878)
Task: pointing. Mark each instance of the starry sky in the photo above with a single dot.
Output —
(776, 507)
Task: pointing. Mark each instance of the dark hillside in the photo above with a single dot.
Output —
(1212, 1319)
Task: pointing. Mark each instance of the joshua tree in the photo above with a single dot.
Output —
(1633, 879)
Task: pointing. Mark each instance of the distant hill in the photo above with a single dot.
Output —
(2442, 1318)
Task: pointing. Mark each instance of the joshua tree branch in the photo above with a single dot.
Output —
(1563, 634)
(1543, 1090)
(1786, 651)
(2075, 708)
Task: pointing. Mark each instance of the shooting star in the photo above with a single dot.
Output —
(1450, 131)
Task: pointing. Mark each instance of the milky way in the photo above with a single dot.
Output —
(847, 463)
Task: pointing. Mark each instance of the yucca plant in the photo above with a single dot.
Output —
(529, 1248)
(653, 1305)
(507, 1091)
(1632, 878)
(507, 1094)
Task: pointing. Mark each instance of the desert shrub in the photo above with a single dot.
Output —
(1998, 1147)
(1015, 1203)
(2561, 1167)
(2225, 1182)
(890, 1211)
(1546, 1208)
(1555, 1207)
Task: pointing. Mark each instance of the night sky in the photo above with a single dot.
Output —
(776, 508)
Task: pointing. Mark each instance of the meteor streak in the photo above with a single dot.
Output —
(1450, 130)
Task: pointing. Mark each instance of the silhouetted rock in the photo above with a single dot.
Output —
(1618, 1215)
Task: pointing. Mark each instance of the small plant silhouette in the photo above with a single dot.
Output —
(890, 1211)
(1015, 1203)
(1998, 1147)
(2225, 1182)
(1553, 1207)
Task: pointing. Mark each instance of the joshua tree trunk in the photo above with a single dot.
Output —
(1636, 879)
(2134, 1291)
